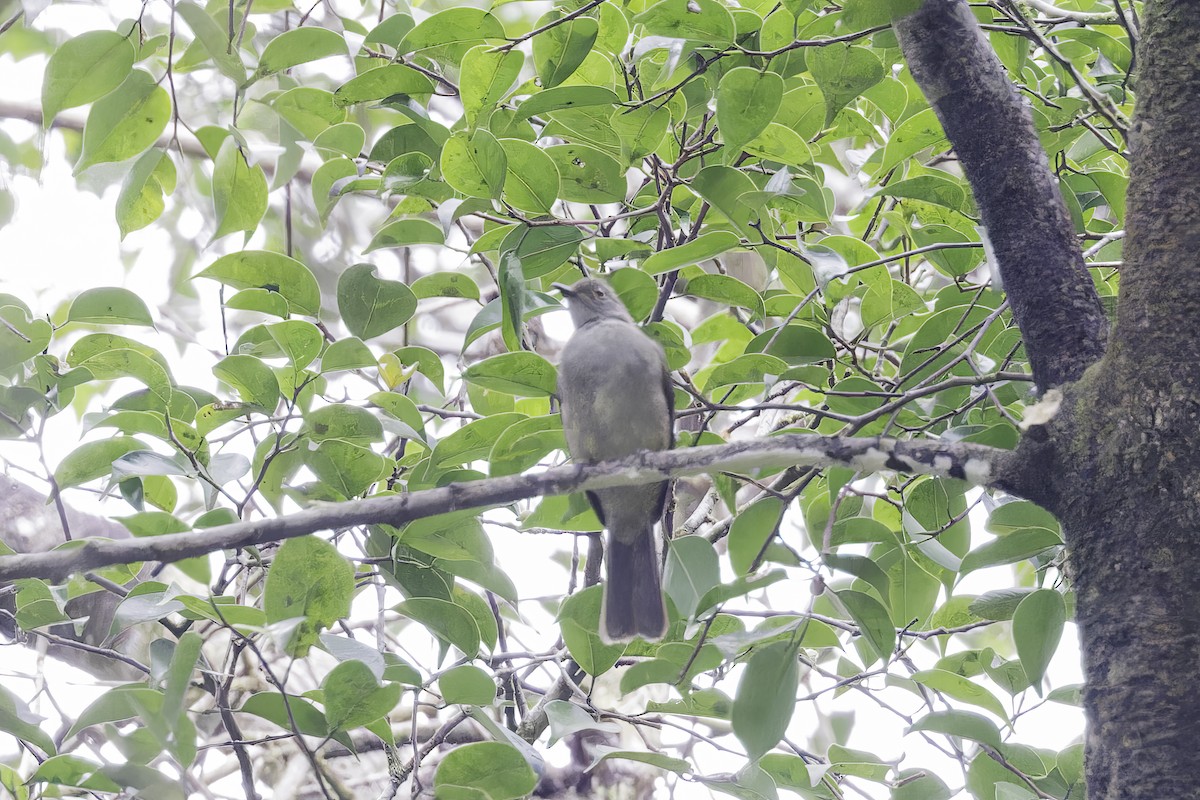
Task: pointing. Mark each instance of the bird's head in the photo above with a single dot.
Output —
(590, 299)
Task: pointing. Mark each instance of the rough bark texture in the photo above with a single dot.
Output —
(1120, 464)
(1052, 297)
(1129, 453)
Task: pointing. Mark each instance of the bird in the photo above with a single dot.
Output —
(617, 399)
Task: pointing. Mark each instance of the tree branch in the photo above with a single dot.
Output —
(1053, 299)
(977, 464)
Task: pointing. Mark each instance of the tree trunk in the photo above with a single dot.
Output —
(1120, 463)
(1129, 453)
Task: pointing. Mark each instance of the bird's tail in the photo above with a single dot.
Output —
(633, 601)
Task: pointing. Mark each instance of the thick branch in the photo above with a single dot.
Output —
(1052, 296)
(977, 464)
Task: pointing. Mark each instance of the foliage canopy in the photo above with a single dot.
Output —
(386, 195)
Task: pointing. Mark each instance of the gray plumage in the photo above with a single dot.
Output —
(617, 399)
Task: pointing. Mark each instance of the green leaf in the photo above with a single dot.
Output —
(299, 340)
(214, 40)
(566, 97)
(179, 674)
(239, 191)
(84, 69)
(353, 697)
(1010, 549)
(309, 110)
(746, 103)
(522, 373)
(346, 354)
(559, 51)
(791, 772)
(451, 537)
(426, 362)
(406, 233)
(71, 770)
(999, 604)
(964, 724)
(474, 164)
(1037, 627)
(445, 284)
(17, 719)
(726, 289)
(705, 21)
(568, 718)
(864, 569)
(467, 685)
(512, 299)
(541, 250)
(579, 619)
(348, 468)
(796, 343)
(525, 443)
(937, 189)
(780, 143)
(766, 697)
(141, 200)
(911, 136)
(890, 300)
(703, 247)
(842, 73)
(254, 381)
(21, 338)
(109, 306)
(290, 713)
(692, 570)
(476, 606)
(119, 703)
(532, 182)
(453, 26)
(486, 78)
(298, 46)
(343, 421)
(588, 175)
(309, 579)
(873, 621)
(723, 187)
(341, 139)
(960, 688)
(920, 784)
(709, 703)
(640, 129)
(861, 14)
(486, 770)
(124, 122)
(371, 306)
(751, 530)
(382, 82)
(93, 460)
(857, 763)
(447, 621)
(738, 588)
(107, 356)
(261, 269)
(1021, 515)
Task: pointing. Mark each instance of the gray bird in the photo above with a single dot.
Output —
(617, 399)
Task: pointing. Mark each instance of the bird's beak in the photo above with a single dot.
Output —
(567, 291)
